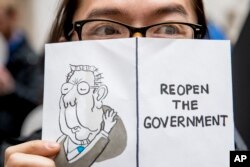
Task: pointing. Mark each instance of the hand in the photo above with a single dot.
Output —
(7, 83)
(109, 120)
(32, 154)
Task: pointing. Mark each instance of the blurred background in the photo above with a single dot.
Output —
(228, 19)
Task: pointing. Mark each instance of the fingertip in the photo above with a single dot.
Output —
(51, 145)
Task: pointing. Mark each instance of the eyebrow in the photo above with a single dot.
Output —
(165, 10)
(172, 9)
(105, 12)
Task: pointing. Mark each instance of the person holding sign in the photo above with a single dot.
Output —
(111, 19)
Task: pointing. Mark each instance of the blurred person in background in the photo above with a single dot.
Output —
(215, 31)
(3, 50)
(20, 85)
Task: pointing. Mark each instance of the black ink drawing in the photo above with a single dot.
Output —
(91, 131)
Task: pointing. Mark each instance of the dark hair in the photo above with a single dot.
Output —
(200, 13)
(63, 22)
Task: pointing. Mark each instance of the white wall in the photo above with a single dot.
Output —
(44, 12)
(36, 19)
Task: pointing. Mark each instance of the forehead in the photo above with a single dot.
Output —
(136, 12)
(80, 76)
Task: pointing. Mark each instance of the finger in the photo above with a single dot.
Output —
(114, 117)
(113, 114)
(107, 113)
(110, 112)
(114, 121)
(37, 147)
(27, 160)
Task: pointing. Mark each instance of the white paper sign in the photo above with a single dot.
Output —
(139, 102)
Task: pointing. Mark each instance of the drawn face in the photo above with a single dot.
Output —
(136, 13)
(81, 121)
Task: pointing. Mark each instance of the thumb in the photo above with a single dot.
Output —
(36, 147)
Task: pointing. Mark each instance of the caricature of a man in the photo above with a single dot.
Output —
(92, 132)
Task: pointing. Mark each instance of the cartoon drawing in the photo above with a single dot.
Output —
(92, 132)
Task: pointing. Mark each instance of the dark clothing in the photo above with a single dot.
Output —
(23, 65)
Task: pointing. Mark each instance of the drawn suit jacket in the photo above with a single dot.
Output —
(106, 147)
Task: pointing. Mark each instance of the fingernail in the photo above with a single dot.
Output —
(51, 145)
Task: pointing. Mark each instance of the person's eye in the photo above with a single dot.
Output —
(168, 30)
(103, 30)
(106, 30)
(83, 88)
(66, 87)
